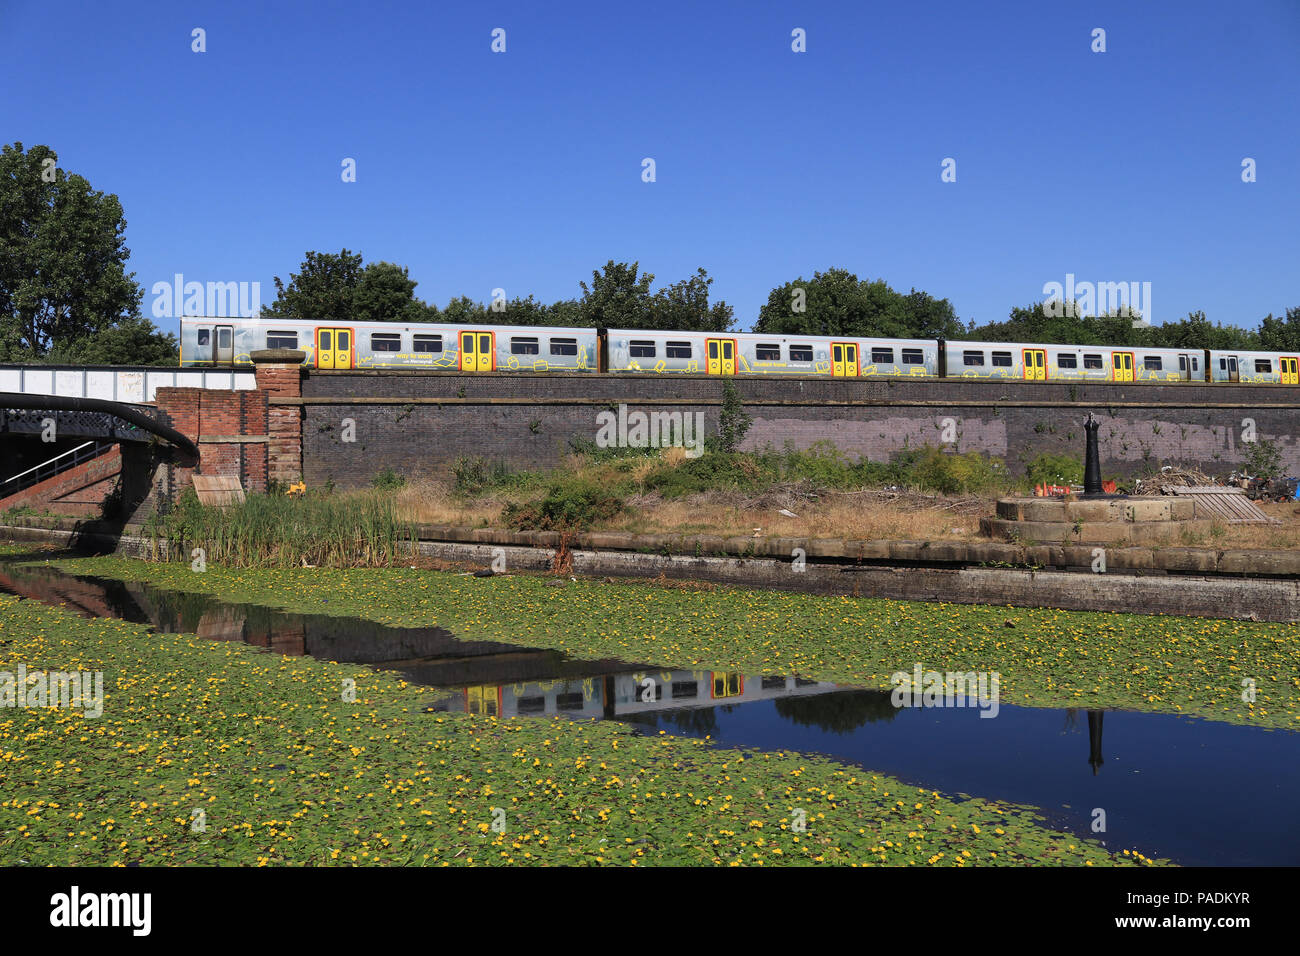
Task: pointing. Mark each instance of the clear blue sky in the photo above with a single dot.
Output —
(522, 170)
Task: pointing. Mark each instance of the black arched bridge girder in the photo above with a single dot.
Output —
(87, 418)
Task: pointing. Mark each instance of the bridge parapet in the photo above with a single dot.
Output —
(132, 384)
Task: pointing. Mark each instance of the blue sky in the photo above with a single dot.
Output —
(522, 170)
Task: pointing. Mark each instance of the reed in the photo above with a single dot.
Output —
(359, 530)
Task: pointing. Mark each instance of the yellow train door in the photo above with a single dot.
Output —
(1290, 371)
(478, 351)
(721, 356)
(334, 348)
(727, 685)
(844, 359)
(1122, 363)
(484, 701)
(1035, 365)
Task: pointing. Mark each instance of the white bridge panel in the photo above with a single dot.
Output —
(130, 385)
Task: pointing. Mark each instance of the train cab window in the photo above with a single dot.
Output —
(882, 356)
(280, 340)
(1067, 361)
(564, 346)
(766, 352)
(1152, 363)
(1002, 360)
(639, 348)
(801, 353)
(913, 357)
(1263, 365)
(1092, 361)
(205, 336)
(678, 350)
(972, 358)
(524, 345)
(385, 342)
(428, 343)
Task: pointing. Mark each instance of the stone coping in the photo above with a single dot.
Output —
(1200, 561)
(943, 554)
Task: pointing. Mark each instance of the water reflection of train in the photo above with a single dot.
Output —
(627, 694)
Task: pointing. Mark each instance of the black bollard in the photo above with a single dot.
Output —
(1092, 460)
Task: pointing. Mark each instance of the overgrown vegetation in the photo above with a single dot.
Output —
(280, 531)
(1263, 460)
(1054, 469)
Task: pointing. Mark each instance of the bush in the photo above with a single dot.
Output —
(931, 469)
(709, 472)
(1053, 469)
(564, 508)
(388, 480)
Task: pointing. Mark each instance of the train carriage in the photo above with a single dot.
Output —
(755, 353)
(1261, 368)
(392, 345)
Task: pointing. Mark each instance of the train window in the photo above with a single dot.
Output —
(685, 689)
(1067, 361)
(801, 353)
(678, 350)
(385, 342)
(428, 343)
(572, 701)
(223, 338)
(1194, 363)
(1002, 359)
(913, 357)
(639, 348)
(882, 356)
(205, 336)
(1263, 365)
(564, 346)
(1092, 361)
(773, 683)
(1152, 363)
(524, 345)
(972, 358)
(767, 352)
(1223, 364)
(531, 705)
(1182, 363)
(281, 340)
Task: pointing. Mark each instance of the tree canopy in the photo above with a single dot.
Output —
(64, 287)
(836, 302)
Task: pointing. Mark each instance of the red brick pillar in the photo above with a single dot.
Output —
(181, 408)
(279, 378)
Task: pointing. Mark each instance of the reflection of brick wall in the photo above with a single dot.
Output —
(430, 420)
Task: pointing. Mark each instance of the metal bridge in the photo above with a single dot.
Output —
(136, 385)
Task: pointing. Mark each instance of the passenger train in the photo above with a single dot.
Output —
(336, 346)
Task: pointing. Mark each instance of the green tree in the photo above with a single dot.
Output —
(684, 306)
(63, 257)
(133, 341)
(836, 302)
(1281, 334)
(324, 288)
(385, 292)
(617, 298)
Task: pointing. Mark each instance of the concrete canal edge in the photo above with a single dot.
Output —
(1244, 585)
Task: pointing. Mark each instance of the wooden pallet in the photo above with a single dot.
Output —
(219, 490)
(1220, 501)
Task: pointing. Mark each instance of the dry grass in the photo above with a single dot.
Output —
(865, 515)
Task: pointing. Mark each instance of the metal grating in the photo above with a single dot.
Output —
(1217, 501)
